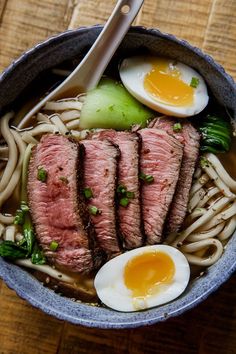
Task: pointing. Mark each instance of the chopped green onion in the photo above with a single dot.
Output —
(124, 202)
(42, 174)
(24, 207)
(130, 195)
(121, 189)
(194, 82)
(54, 246)
(94, 210)
(20, 214)
(177, 127)
(88, 193)
(149, 179)
(146, 178)
(19, 218)
(64, 179)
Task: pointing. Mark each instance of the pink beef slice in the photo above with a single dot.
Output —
(129, 218)
(161, 157)
(190, 137)
(100, 169)
(57, 208)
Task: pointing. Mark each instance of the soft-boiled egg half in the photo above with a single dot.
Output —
(142, 278)
(165, 85)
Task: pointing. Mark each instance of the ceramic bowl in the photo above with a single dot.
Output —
(74, 44)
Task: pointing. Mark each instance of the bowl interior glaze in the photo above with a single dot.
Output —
(72, 44)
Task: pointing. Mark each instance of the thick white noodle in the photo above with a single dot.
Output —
(41, 129)
(228, 230)
(67, 116)
(74, 124)
(197, 173)
(215, 209)
(199, 184)
(55, 119)
(80, 135)
(28, 138)
(43, 118)
(196, 214)
(199, 195)
(14, 179)
(9, 234)
(63, 105)
(223, 216)
(45, 269)
(217, 180)
(197, 246)
(221, 171)
(13, 153)
(198, 236)
(210, 193)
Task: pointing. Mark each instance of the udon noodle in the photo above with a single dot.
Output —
(211, 217)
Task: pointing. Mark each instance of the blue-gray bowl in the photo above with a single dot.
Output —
(71, 44)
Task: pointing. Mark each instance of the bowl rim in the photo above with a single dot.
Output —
(9, 278)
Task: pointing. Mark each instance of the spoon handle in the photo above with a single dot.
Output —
(88, 73)
(92, 67)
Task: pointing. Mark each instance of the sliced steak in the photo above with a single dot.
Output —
(130, 225)
(161, 157)
(190, 137)
(100, 167)
(57, 208)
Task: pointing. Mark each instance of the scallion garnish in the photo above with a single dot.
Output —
(177, 127)
(42, 174)
(88, 193)
(130, 195)
(20, 214)
(194, 82)
(54, 246)
(124, 202)
(146, 178)
(121, 189)
(94, 210)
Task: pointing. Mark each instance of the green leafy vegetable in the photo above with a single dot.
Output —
(88, 193)
(216, 134)
(11, 250)
(37, 256)
(194, 82)
(111, 106)
(42, 174)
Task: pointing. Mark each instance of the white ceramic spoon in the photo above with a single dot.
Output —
(88, 73)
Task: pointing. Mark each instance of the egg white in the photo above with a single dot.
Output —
(133, 71)
(112, 291)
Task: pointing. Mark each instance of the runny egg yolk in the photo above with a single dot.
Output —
(164, 84)
(146, 273)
